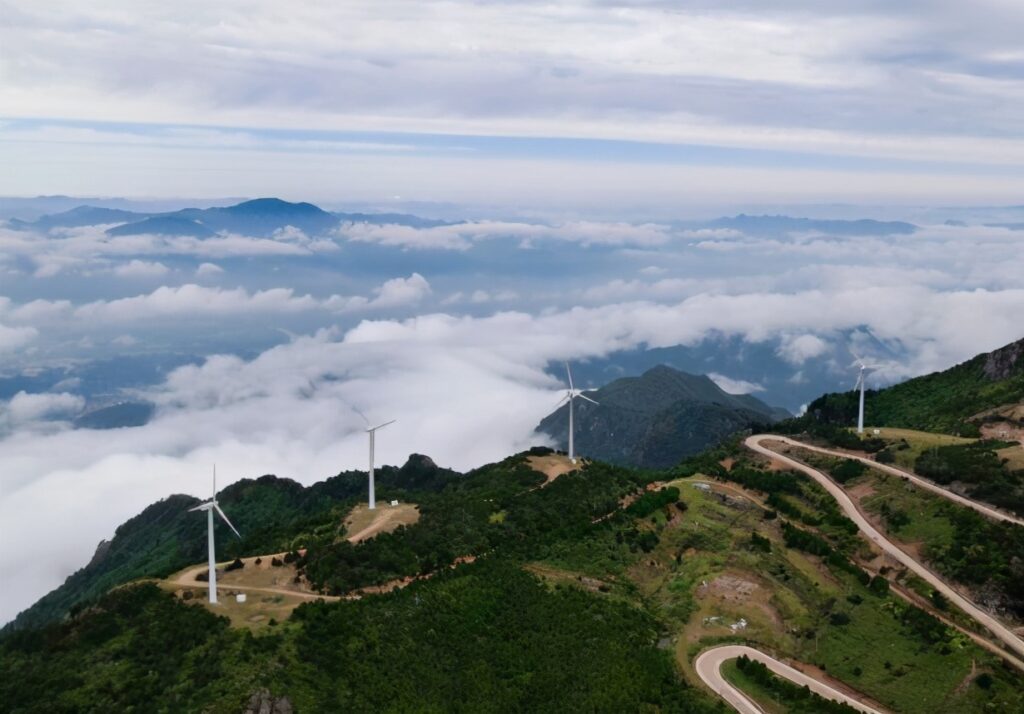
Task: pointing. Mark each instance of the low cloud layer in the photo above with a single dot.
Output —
(454, 344)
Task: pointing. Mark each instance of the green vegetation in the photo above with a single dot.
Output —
(941, 402)
(957, 541)
(491, 638)
(756, 679)
(577, 596)
(273, 514)
(977, 465)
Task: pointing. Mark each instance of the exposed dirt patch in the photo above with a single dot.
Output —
(729, 588)
(552, 466)
(962, 687)
(363, 524)
(862, 490)
(727, 463)
(1002, 430)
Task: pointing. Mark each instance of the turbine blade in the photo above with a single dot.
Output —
(562, 401)
(569, 372)
(227, 521)
(362, 415)
(584, 396)
(201, 507)
(381, 426)
(214, 482)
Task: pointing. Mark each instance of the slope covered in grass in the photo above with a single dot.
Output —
(940, 402)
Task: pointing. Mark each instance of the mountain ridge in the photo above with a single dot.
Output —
(656, 419)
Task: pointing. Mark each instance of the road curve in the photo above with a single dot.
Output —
(187, 579)
(1003, 633)
(709, 663)
(983, 509)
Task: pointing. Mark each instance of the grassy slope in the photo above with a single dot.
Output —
(938, 402)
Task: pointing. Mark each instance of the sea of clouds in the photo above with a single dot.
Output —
(458, 351)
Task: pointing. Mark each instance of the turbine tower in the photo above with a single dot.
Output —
(372, 431)
(211, 506)
(862, 374)
(571, 394)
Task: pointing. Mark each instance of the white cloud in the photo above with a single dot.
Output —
(797, 349)
(259, 416)
(191, 301)
(24, 407)
(195, 300)
(462, 236)
(735, 386)
(653, 270)
(206, 270)
(13, 338)
(399, 292)
(141, 269)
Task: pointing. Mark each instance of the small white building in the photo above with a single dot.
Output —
(240, 597)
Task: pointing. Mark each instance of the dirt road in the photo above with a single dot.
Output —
(1003, 633)
(982, 508)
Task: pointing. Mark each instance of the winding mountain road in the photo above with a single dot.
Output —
(709, 664)
(982, 508)
(1003, 633)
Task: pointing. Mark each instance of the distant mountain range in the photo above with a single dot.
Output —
(774, 225)
(260, 217)
(263, 216)
(657, 419)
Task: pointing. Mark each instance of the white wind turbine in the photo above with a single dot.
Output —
(864, 369)
(571, 394)
(372, 431)
(210, 506)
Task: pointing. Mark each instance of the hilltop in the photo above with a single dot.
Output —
(657, 419)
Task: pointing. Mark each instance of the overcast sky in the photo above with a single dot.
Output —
(638, 104)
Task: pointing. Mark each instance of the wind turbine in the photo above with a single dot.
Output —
(570, 395)
(862, 374)
(211, 506)
(372, 431)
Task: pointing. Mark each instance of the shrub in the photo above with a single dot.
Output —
(236, 564)
(848, 470)
(760, 543)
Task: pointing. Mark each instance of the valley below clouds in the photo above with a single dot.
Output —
(259, 350)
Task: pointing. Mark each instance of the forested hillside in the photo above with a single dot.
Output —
(271, 513)
(941, 402)
(657, 419)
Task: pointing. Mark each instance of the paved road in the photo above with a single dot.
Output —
(982, 508)
(709, 663)
(986, 620)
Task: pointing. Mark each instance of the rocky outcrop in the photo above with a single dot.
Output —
(263, 702)
(1005, 362)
